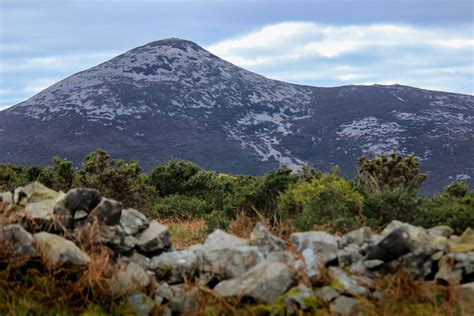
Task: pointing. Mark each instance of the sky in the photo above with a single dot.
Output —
(423, 43)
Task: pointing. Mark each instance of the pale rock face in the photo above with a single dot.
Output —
(132, 221)
(59, 251)
(155, 239)
(131, 278)
(265, 241)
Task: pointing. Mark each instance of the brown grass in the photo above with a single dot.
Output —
(185, 233)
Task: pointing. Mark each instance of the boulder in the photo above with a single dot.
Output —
(394, 245)
(80, 199)
(322, 244)
(15, 241)
(447, 273)
(36, 192)
(357, 237)
(141, 260)
(465, 293)
(265, 241)
(155, 239)
(132, 221)
(141, 304)
(220, 239)
(227, 263)
(59, 252)
(346, 284)
(107, 212)
(20, 197)
(345, 306)
(326, 294)
(444, 231)
(175, 266)
(6, 198)
(128, 279)
(348, 255)
(312, 264)
(265, 283)
(299, 298)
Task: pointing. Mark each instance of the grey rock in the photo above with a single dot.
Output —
(141, 304)
(220, 239)
(346, 284)
(80, 215)
(132, 221)
(107, 212)
(358, 237)
(297, 298)
(372, 264)
(323, 245)
(141, 260)
(326, 294)
(155, 239)
(80, 199)
(447, 274)
(15, 240)
(163, 293)
(59, 252)
(264, 283)
(312, 266)
(129, 278)
(6, 198)
(465, 293)
(394, 245)
(173, 267)
(265, 241)
(36, 192)
(20, 197)
(348, 255)
(184, 301)
(284, 257)
(231, 262)
(345, 306)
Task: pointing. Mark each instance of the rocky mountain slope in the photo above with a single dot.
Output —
(173, 99)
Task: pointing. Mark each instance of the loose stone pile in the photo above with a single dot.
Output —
(37, 221)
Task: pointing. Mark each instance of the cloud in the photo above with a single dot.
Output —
(327, 55)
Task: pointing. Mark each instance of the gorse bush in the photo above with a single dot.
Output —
(385, 188)
(327, 200)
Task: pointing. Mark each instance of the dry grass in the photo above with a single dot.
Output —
(185, 233)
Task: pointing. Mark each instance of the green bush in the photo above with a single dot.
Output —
(454, 207)
(329, 200)
(59, 176)
(216, 220)
(177, 177)
(180, 206)
(115, 179)
(12, 176)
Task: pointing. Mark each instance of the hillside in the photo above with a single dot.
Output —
(173, 99)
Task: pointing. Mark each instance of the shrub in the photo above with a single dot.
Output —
(216, 220)
(177, 177)
(59, 176)
(328, 200)
(12, 176)
(383, 173)
(180, 206)
(454, 207)
(116, 179)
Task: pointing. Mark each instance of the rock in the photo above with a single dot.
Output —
(348, 255)
(15, 241)
(465, 261)
(59, 252)
(6, 198)
(463, 244)
(36, 192)
(132, 221)
(465, 293)
(394, 245)
(220, 239)
(40, 212)
(312, 266)
(80, 215)
(345, 306)
(417, 263)
(265, 283)
(358, 237)
(444, 231)
(372, 264)
(265, 241)
(322, 244)
(227, 263)
(141, 260)
(163, 293)
(155, 239)
(447, 274)
(299, 298)
(326, 294)
(80, 199)
(175, 266)
(20, 197)
(184, 301)
(284, 257)
(107, 212)
(141, 304)
(128, 279)
(345, 284)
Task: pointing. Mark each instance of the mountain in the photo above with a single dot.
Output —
(173, 99)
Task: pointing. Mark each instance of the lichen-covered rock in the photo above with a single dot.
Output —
(36, 192)
(357, 237)
(130, 278)
(326, 294)
(107, 212)
(132, 221)
(444, 231)
(348, 255)
(15, 241)
(299, 298)
(265, 283)
(345, 306)
(312, 264)
(58, 251)
(175, 266)
(345, 284)
(141, 304)
(155, 239)
(265, 241)
(227, 263)
(322, 244)
(220, 239)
